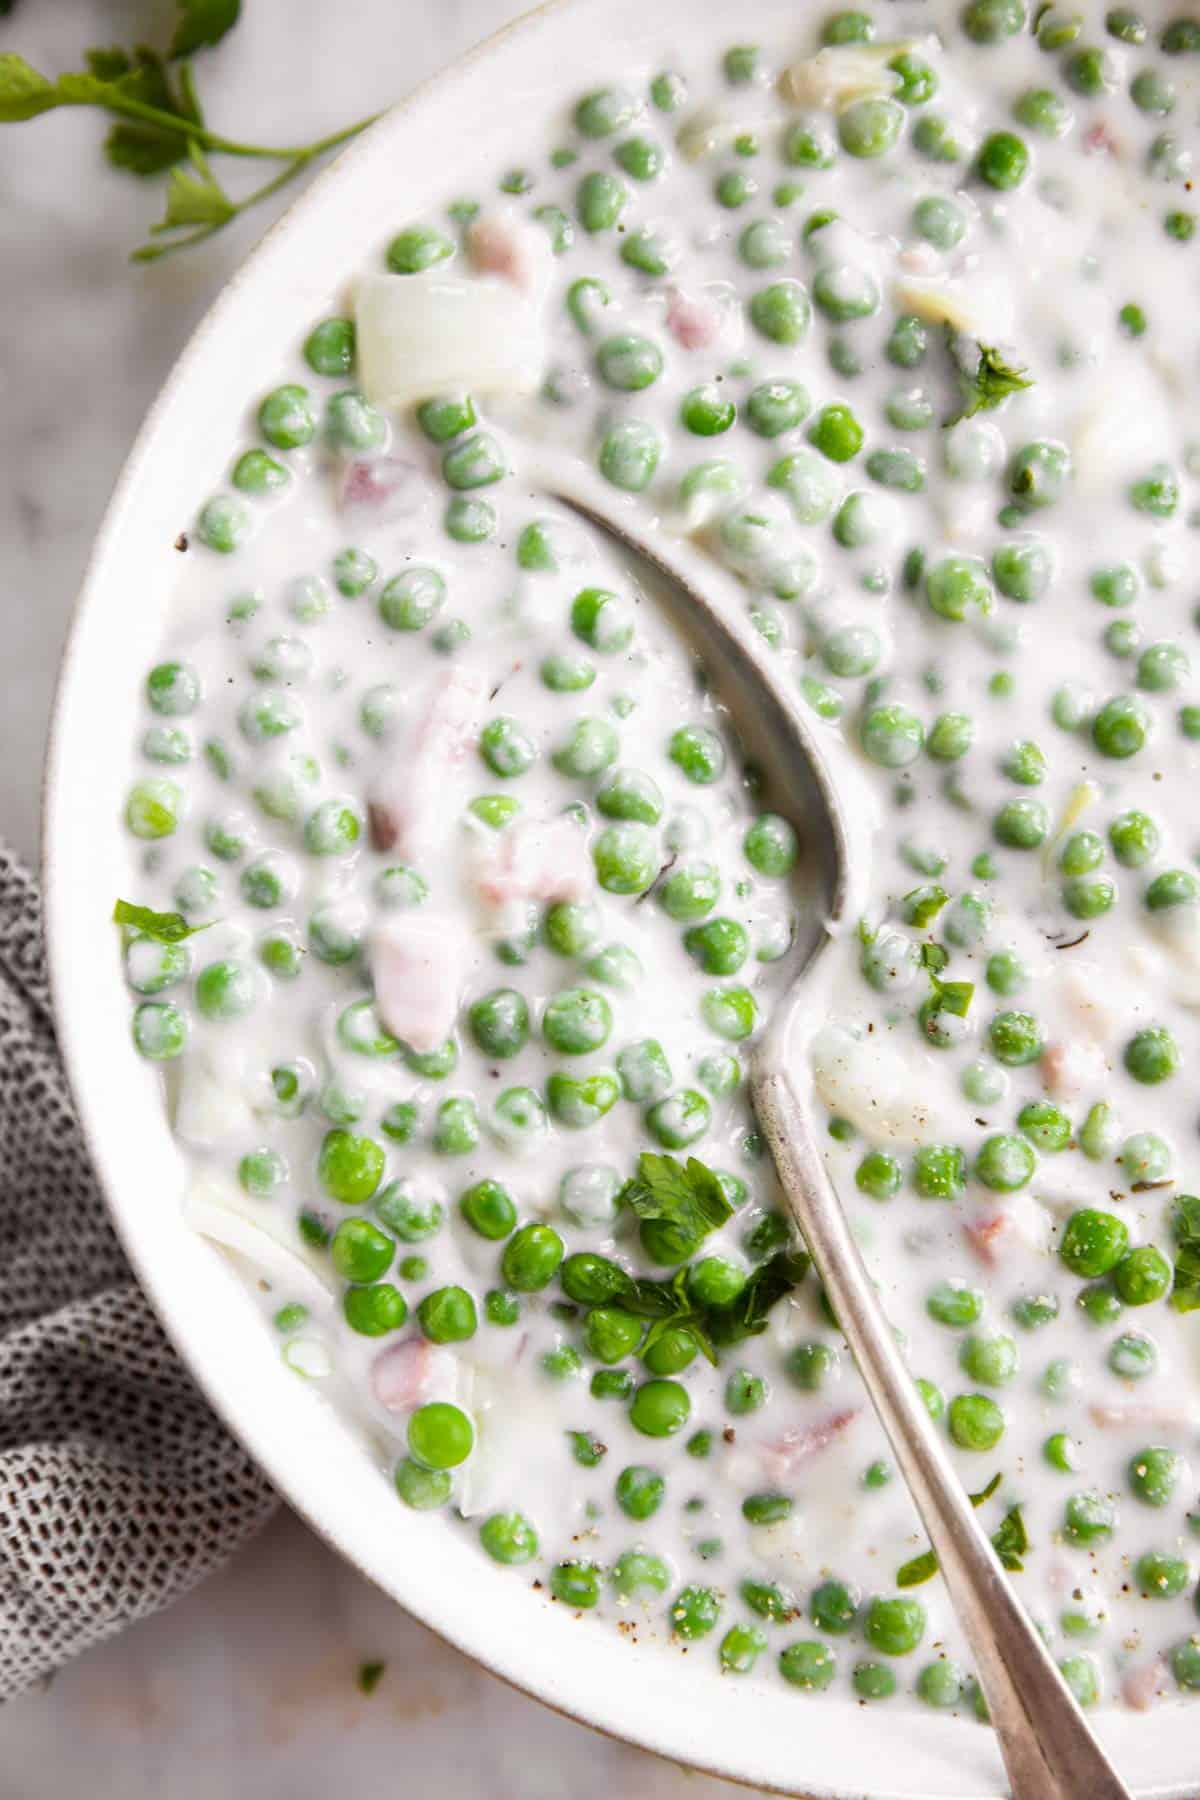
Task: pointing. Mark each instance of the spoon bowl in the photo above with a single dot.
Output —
(1049, 1750)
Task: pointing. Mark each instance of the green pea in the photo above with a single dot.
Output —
(1142, 1276)
(1152, 1055)
(950, 736)
(660, 1408)
(448, 1315)
(808, 1665)
(1045, 1125)
(1089, 1518)
(224, 990)
(600, 199)
(1154, 1474)
(774, 407)
(474, 462)
(422, 1489)
(954, 1303)
(891, 736)
(577, 1021)
(894, 1626)
(870, 128)
(629, 455)
(628, 362)
(781, 312)
(417, 248)
(1005, 1163)
(1121, 727)
(989, 1358)
(939, 1172)
(456, 1127)
(374, 1310)
(160, 1030)
(488, 1209)
(706, 412)
(440, 1436)
(1133, 1356)
(1003, 160)
(531, 1258)
(360, 1251)
(286, 417)
(602, 620)
(1015, 1038)
(509, 1538)
(836, 433)
(1093, 1242)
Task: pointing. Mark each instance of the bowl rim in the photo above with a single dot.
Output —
(636, 1720)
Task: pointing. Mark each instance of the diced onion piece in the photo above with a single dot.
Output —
(981, 314)
(424, 335)
(715, 126)
(208, 1211)
(842, 73)
(873, 1085)
(308, 1357)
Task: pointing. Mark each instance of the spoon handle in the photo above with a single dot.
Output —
(1047, 1746)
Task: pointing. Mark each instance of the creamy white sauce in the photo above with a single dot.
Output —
(387, 723)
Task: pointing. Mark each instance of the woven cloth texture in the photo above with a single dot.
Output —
(119, 1489)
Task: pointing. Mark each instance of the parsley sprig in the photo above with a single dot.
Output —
(1185, 1225)
(163, 927)
(984, 376)
(690, 1199)
(159, 126)
(1010, 1541)
(686, 1195)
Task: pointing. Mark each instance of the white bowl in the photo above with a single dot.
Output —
(468, 122)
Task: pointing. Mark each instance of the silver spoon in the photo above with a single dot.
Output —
(1048, 1748)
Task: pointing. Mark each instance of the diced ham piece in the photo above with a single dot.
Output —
(411, 1373)
(512, 248)
(1100, 139)
(387, 487)
(1070, 1070)
(1022, 1223)
(536, 859)
(919, 259)
(409, 809)
(784, 1454)
(703, 320)
(419, 964)
(1142, 1686)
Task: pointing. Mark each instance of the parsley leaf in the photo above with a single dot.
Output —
(921, 905)
(107, 64)
(985, 377)
(163, 927)
(925, 1567)
(1010, 1540)
(24, 91)
(688, 1196)
(194, 197)
(370, 1675)
(201, 24)
(143, 146)
(157, 122)
(934, 958)
(1185, 1224)
(771, 1281)
(668, 1304)
(952, 996)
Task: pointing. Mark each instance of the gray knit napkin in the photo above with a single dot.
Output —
(119, 1490)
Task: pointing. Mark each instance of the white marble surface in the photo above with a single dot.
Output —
(246, 1689)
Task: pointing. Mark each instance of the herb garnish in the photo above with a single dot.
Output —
(163, 927)
(1010, 1541)
(370, 1674)
(1185, 1223)
(989, 381)
(688, 1196)
(159, 124)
